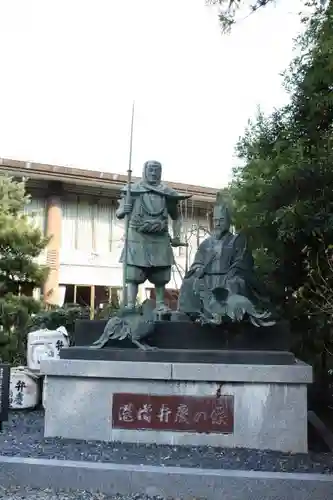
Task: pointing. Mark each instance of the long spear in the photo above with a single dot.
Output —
(127, 216)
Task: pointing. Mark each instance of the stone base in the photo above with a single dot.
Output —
(254, 406)
(126, 480)
(188, 335)
(180, 356)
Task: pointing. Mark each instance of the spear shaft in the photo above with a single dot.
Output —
(127, 216)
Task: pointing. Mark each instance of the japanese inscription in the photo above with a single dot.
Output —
(4, 392)
(18, 398)
(177, 413)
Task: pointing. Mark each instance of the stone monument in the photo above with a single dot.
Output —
(225, 377)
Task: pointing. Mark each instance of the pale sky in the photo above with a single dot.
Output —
(71, 68)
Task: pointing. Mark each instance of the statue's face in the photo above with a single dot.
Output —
(221, 224)
(153, 172)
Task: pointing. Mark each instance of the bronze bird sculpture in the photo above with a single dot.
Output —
(134, 324)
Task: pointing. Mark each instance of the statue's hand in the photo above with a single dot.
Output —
(196, 271)
(175, 242)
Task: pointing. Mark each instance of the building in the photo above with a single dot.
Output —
(76, 208)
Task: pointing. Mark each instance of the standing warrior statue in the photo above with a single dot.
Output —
(149, 245)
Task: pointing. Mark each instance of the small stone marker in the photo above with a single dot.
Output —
(208, 414)
(4, 393)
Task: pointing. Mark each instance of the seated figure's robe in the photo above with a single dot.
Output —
(225, 264)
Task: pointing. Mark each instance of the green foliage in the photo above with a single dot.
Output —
(317, 291)
(107, 311)
(283, 189)
(59, 316)
(20, 243)
(14, 316)
(229, 9)
(66, 316)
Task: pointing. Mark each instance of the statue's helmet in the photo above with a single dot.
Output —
(152, 171)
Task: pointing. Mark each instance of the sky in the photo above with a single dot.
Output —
(70, 70)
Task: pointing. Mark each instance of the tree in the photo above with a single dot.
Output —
(282, 191)
(20, 243)
(228, 9)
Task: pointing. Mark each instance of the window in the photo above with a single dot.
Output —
(84, 226)
(103, 217)
(92, 297)
(87, 225)
(36, 211)
(69, 224)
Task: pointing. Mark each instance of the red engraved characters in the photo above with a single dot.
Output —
(173, 413)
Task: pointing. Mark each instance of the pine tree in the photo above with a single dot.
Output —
(20, 243)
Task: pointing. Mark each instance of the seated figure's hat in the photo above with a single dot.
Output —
(221, 211)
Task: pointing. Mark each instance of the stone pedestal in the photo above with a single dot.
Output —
(210, 404)
(188, 335)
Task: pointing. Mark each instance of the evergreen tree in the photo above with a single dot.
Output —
(20, 243)
(283, 190)
(229, 9)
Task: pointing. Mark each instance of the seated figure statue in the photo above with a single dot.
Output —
(221, 284)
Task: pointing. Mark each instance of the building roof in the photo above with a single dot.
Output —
(78, 176)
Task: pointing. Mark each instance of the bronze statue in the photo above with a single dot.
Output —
(135, 325)
(221, 283)
(149, 245)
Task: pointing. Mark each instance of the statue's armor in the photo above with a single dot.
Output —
(149, 251)
(148, 237)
